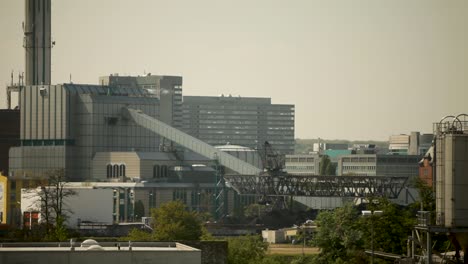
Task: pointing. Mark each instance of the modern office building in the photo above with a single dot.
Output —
(399, 144)
(413, 144)
(420, 143)
(245, 121)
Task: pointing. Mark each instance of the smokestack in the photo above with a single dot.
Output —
(37, 41)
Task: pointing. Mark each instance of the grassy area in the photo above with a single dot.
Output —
(288, 249)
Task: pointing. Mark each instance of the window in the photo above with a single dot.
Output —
(115, 171)
(109, 171)
(156, 171)
(122, 170)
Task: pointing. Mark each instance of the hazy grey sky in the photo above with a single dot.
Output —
(361, 69)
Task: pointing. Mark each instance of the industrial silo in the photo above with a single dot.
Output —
(451, 179)
(452, 172)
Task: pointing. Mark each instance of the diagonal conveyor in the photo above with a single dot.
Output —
(189, 142)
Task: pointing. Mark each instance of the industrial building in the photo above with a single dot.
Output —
(448, 160)
(245, 121)
(167, 88)
(128, 130)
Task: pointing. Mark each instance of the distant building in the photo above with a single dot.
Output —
(318, 147)
(413, 144)
(303, 164)
(399, 144)
(245, 121)
(379, 165)
(420, 143)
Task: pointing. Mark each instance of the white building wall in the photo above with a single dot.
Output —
(95, 205)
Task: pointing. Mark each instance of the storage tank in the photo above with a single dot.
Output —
(452, 172)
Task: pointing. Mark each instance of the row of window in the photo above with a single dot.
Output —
(308, 168)
(359, 168)
(159, 171)
(115, 170)
(301, 159)
(359, 159)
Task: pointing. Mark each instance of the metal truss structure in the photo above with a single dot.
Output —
(317, 186)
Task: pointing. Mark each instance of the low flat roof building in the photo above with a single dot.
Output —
(90, 251)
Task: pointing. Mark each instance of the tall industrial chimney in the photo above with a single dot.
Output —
(37, 41)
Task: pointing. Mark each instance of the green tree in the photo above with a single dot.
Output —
(391, 229)
(255, 211)
(173, 222)
(138, 235)
(324, 164)
(330, 169)
(51, 199)
(246, 250)
(57, 182)
(338, 236)
(139, 209)
(426, 195)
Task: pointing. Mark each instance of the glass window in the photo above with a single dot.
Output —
(156, 171)
(115, 171)
(122, 170)
(109, 171)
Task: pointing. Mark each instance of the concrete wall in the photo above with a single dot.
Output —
(273, 236)
(102, 159)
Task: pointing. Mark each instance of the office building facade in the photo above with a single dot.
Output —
(241, 121)
(379, 165)
(303, 164)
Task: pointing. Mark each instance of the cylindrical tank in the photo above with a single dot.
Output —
(37, 41)
(452, 179)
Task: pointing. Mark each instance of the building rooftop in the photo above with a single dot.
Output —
(96, 246)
